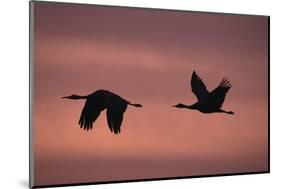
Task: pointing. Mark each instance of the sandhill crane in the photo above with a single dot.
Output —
(208, 102)
(97, 102)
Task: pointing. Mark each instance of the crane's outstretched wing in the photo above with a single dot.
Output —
(217, 96)
(91, 111)
(198, 87)
(114, 113)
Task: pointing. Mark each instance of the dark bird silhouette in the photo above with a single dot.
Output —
(97, 102)
(208, 102)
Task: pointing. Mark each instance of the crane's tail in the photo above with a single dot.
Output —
(136, 105)
(229, 112)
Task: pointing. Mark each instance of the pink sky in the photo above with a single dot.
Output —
(147, 56)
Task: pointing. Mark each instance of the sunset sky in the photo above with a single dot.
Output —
(147, 56)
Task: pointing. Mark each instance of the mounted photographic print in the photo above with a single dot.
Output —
(120, 94)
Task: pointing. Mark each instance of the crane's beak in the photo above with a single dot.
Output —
(65, 97)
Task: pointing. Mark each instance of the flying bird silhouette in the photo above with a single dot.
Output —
(208, 102)
(97, 102)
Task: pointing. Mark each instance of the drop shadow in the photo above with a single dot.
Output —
(24, 183)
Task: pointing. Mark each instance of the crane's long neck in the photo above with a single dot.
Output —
(180, 105)
(81, 97)
(76, 97)
(189, 106)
